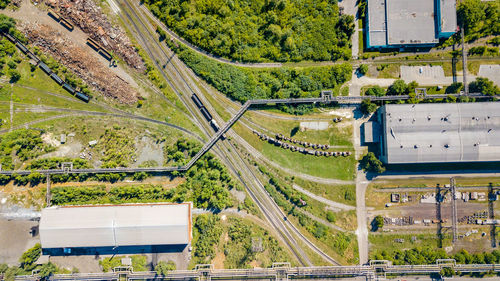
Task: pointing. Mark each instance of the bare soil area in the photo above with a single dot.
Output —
(80, 62)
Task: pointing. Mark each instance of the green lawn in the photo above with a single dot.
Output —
(345, 194)
(338, 134)
(385, 241)
(332, 167)
(25, 117)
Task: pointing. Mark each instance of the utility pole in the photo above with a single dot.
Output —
(453, 209)
(48, 194)
(464, 61)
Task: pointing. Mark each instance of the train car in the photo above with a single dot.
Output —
(45, 68)
(93, 44)
(53, 14)
(216, 128)
(197, 101)
(205, 113)
(10, 37)
(68, 88)
(82, 96)
(56, 78)
(22, 47)
(105, 54)
(66, 24)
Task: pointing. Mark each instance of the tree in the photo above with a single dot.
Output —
(399, 87)
(375, 91)
(377, 223)
(29, 257)
(46, 270)
(447, 272)
(371, 163)
(363, 69)
(6, 23)
(412, 86)
(454, 88)
(484, 86)
(14, 75)
(163, 267)
(368, 107)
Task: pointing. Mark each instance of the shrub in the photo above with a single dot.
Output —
(29, 258)
(375, 91)
(377, 223)
(163, 267)
(371, 163)
(367, 107)
(363, 69)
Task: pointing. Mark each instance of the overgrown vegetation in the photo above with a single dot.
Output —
(69, 195)
(343, 244)
(261, 30)
(480, 18)
(207, 182)
(21, 145)
(426, 255)
(207, 232)
(370, 163)
(163, 267)
(243, 84)
(244, 244)
(117, 147)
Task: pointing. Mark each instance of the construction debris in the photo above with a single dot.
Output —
(88, 16)
(85, 66)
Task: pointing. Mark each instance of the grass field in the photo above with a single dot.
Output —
(337, 193)
(385, 242)
(331, 167)
(337, 133)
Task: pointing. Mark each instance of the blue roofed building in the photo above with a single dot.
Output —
(409, 23)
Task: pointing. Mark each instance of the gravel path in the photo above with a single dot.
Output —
(328, 202)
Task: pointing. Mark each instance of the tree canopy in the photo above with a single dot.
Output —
(261, 30)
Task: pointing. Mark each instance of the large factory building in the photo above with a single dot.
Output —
(409, 23)
(437, 133)
(112, 226)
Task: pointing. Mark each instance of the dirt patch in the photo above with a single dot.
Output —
(87, 67)
(89, 17)
(147, 150)
(71, 150)
(15, 239)
(50, 140)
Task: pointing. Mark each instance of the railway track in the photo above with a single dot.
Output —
(230, 161)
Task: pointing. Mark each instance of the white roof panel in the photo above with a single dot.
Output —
(108, 225)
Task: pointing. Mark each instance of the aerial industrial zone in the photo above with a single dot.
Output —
(235, 140)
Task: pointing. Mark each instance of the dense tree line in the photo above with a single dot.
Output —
(22, 144)
(243, 84)
(260, 30)
(427, 255)
(479, 18)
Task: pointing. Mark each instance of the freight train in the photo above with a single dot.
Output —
(45, 68)
(206, 114)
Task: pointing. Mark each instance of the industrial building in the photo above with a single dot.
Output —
(115, 225)
(438, 133)
(409, 23)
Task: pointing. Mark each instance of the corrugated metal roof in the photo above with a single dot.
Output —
(119, 225)
(448, 16)
(425, 133)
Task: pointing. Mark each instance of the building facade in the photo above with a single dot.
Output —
(409, 23)
(439, 133)
(115, 225)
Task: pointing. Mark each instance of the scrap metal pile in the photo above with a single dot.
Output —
(89, 17)
(85, 66)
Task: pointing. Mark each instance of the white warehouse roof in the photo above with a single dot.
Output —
(110, 226)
